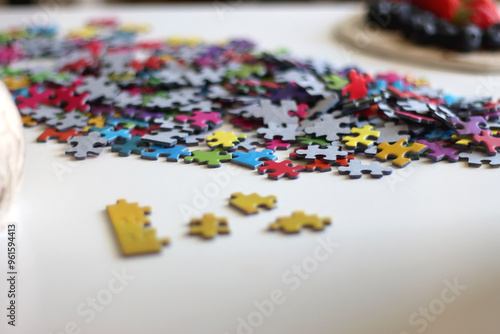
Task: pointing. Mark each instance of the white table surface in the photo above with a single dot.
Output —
(398, 239)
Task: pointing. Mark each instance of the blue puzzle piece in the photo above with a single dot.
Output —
(128, 123)
(171, 153)
(399, 85)
(450, 99)
(111, 134)
(47, 30)
(133, 145)
(253, 159)
(440, 134)
(20, 92)
(380, 86)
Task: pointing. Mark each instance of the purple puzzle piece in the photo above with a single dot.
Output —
(291, 91)
(97, 110)
(440, 152)
(470, 127)
(141, 114)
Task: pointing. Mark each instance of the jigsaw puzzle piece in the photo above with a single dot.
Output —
(398, 152)
(171, 153)
(329, 153)
(61, 136)
(125, 147)
(490, 142)
(166, 138)
(213, 159)
(438, 151)
(299, 220)
(201, 120)
(319, 165)
(366, 137)
(111, 134)
(253, 159)
(476, 159)
(357, 88)
(69, 120)
(285, 132)
(129, 221)
(277, 170)
(250, 204)
(356, 169)
(92, 144)
(225, 140)
(208, 226)
(277, 144)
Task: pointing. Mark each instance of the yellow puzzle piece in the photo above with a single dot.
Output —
(227, 140)
(125, 77)
(87, 32)
(208, 226)
(179, 40)
(129, 221)
(250, 204)
(135, 28)
(95, 122)
(15, 83)
(465, 143)
(299, 220)
(28, 121)
(366, 136)
(399, 150)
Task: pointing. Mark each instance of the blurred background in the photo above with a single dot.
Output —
(28, 2)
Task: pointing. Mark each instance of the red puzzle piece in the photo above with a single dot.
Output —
(150, 45)
(142, 131)
(344, 161)
(302, 111)
(96, 48)
(318, 165)
(407, 94)
(277, 170)
(277, 144)
(201, 119)
(358, 86)
(61, 136)
(103, 22)
(490, 142)
(67, 98)
(372, 111)
(246, 124)
(152, 63)
(35, 97)
(78, 66)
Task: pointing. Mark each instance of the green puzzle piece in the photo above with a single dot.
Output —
(313, 141)
(7, 71)
(146, 98)
(212, 159)
(246, 71)
(42, 76)
(335, 81)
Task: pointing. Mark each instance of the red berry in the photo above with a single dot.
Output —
(483, 13)
(445, 9)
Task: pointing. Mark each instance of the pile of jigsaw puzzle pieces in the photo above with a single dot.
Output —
(131, 225)
(102, 88)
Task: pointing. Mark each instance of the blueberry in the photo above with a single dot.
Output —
(423, 28)
(469, 38)
(491, 37)
(446, 34)
(379, 13)
(401, 13)
(407, 26)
